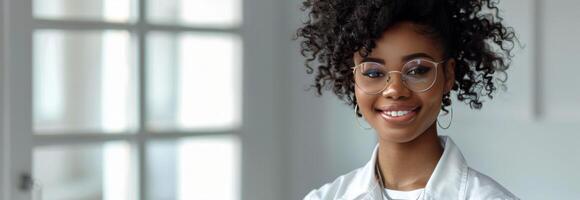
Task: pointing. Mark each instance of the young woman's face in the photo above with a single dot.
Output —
(398, 113)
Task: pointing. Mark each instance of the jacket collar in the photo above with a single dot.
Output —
(449, 176)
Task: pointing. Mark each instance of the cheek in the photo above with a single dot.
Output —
(432, 105)
(364, 102)
(433, 98)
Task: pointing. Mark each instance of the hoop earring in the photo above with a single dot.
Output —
(356, 119)
(450, 120)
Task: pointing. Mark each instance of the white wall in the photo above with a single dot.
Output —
(3, 135)
(528, 144)
(263, 169)
(3, 142)
(525, 142)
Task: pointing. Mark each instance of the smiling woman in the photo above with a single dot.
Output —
(401, 107)
(408, 56)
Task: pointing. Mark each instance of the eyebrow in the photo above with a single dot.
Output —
(405, 58)
(371, 59)
(417, 55)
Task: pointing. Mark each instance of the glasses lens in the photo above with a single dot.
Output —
(419, 75)
(371, 77)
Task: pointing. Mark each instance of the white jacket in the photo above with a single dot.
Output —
(452, 179)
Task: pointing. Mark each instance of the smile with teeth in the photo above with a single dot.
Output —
(397, 113)
(396, 116)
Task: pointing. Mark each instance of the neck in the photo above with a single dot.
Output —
(408, 166)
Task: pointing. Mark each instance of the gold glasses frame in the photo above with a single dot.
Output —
(400, 73)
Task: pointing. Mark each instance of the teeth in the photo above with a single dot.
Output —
(397, 113)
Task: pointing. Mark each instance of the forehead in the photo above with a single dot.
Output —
(401, 40)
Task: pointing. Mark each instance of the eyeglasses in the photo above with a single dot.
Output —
(419, 75)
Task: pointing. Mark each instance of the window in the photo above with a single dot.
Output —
(133, 99)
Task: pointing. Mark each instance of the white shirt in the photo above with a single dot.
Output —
(452, 179)
(403, 195)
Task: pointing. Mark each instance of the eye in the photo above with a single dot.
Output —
(418, 71)
(373, 73)
(372, 70)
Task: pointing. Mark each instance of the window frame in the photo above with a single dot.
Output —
(18, 139)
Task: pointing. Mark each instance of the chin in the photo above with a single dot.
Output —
(397, 135)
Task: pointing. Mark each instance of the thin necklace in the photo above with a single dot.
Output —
(380, 177)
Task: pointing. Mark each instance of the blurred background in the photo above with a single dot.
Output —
(208, 99)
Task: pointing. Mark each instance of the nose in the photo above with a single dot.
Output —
(396, 89)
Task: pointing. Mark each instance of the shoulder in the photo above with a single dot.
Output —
(481, 186)
(335, 189)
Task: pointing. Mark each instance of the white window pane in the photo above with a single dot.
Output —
(100, 10)
(194, 168)
(89, 172)
(214, 13)
(194, 81)
(84, 81)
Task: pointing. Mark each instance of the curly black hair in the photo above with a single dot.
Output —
(469, 31)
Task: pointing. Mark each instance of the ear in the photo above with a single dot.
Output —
(449, 75)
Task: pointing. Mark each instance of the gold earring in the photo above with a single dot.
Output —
(450, 120)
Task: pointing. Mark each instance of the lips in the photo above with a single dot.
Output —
(398, 114)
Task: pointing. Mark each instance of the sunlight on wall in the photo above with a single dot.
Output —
(50, 75)
(116, 83)
(209, 83)
(211, 12)
(117, 173)
(209, 168)
(116, 10)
